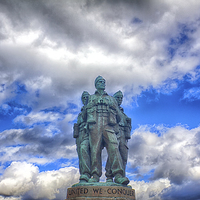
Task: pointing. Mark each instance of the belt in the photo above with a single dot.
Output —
(102, 111)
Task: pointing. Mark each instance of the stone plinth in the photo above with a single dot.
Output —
(100, 192)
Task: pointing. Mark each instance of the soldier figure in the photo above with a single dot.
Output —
(123, 134)
(103, 115)
(82, 141)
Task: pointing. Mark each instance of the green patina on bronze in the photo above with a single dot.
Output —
(102, 123)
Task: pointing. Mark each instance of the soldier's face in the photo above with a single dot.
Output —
(101, 84)
(119, 99)
(84, 99)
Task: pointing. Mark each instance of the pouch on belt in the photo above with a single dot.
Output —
(75, 130)
(112, 118)
(91, 115)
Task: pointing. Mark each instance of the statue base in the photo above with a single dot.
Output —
(105, 191)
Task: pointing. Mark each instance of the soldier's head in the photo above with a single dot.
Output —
(84, 97)
(100, 83)
(119, 97)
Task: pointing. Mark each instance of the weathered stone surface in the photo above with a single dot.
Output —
(100, 192)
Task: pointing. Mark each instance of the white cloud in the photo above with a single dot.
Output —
(166, 154)
(94, 40)
(17, 179)
(38, 144)
(10, 198)
(149, 190)
(192, 94)
(24, 179)
(39, 117)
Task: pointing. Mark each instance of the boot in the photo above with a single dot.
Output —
(121, 180)
(94, 179)
(84, 178)
(109, 179)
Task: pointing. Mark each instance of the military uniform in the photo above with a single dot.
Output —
(102, 114)
(123, 134)
(82, 142)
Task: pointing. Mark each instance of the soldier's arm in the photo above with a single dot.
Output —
(75, 130)
(120, 115)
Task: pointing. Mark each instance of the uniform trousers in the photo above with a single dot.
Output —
(102, 134)
(123, 149)
(83, 150)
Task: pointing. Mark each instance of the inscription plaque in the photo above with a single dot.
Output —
(97, 192)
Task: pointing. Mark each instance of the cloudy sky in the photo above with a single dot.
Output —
(51, 51)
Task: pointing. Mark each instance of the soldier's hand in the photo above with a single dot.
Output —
(121, 123)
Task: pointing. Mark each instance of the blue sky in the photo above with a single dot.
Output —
(169, 109)
(52, 51)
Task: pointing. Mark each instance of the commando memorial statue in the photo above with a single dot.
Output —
(102, 123)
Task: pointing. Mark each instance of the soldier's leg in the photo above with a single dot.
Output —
(109, 175)
(78, 150)
(95, 139)
(123, 149)
(112, 147)
(84, 159)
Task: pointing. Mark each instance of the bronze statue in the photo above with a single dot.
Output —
(102, 123)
